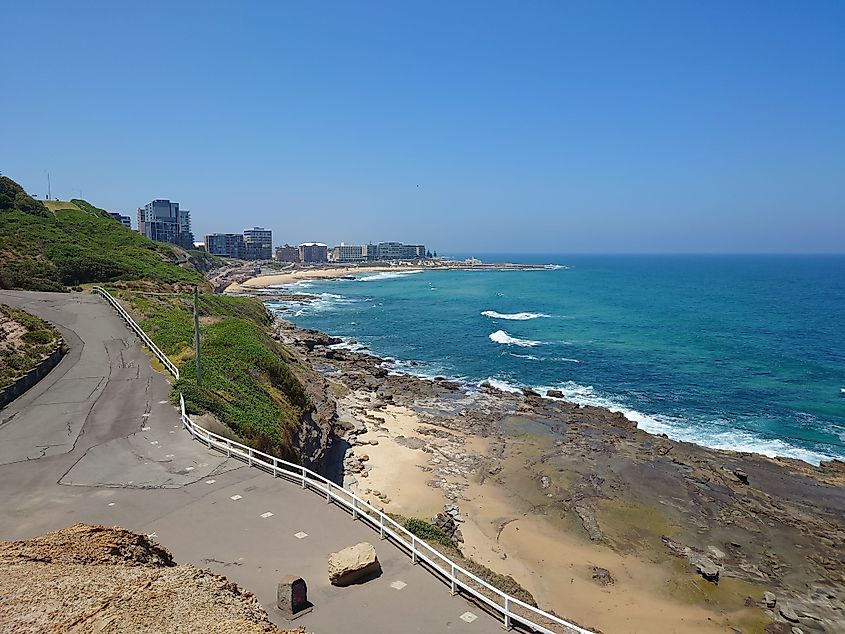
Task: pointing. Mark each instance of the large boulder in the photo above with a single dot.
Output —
(352, 564)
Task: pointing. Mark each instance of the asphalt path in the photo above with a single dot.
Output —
(98, 441)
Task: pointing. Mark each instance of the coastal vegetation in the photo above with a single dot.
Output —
(49, 246)
(441, 542)
(246, 379)
(24, 341)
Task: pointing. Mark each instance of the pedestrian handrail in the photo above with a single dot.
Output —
(138, 331)
(513, 611)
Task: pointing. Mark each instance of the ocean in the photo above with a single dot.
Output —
(733, 352)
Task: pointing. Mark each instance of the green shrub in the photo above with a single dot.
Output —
(427, 531)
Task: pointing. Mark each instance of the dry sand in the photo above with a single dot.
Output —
(300, 275)
(554, 564)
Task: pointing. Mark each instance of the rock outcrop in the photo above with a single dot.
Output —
(97, 579)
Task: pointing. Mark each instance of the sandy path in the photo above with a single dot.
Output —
(313, 274)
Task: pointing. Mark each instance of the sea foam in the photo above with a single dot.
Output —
(513, 316)
(500, 336)
(385, 275)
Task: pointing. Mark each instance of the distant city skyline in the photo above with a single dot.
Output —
(472, 127)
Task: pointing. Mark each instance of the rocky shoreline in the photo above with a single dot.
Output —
(602, 522)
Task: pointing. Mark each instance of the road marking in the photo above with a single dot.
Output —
(170, 455)
(398, 585)
(266, 515)
(301, 535)
(210, 481)
(171, 432)
(153, 442)
(163, 402)
(469, 617)
(236, 497)
(111, 503)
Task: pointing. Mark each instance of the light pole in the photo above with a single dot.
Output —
(197, 334)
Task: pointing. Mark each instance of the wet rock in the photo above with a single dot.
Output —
(602, 576)
(588, 521)
(554, 393)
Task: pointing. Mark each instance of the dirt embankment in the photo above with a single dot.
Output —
(97, 579)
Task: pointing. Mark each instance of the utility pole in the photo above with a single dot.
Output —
(49, 191)
(197, 334)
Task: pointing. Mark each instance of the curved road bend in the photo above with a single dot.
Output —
(97, 441)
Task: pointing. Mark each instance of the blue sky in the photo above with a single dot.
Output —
(470, 126)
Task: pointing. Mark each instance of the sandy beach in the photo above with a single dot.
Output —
(303, 274)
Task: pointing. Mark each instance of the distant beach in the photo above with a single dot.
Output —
(301, 273)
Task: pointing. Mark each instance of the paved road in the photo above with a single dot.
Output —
(97, 441)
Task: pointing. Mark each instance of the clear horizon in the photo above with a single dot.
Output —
(494, 127)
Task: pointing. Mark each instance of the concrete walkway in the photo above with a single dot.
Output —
(98, 441)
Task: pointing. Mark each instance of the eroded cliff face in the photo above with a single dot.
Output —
(316, 435)
(97, 579)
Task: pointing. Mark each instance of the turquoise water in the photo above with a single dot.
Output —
(737, 352)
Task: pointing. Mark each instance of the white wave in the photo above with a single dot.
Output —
(568, 360)
(513, 316)
(500, 336)
(499, 384)
(525, 356)
(385, 275)
(714, 436)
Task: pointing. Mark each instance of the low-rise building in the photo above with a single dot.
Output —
(348, 253)
(286, 253)
(313, 252)
(126, 221)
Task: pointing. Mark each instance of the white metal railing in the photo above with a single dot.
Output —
(511, 610)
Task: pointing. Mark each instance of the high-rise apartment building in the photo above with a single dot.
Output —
(258, 244)
(227, 245)
(163, 221)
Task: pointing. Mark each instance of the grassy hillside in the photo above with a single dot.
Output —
(246, 382)
(60, 244)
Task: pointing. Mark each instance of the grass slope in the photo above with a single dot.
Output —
(246, 381)
(49, 247)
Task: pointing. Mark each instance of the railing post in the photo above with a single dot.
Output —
(328, 491)
(354, 509)
(413, 549)
(275, 467)
(381, 526)
(454, 589)
(208, 438)
(507, 613)
(228, 448)
(303, 477)
(249, 456)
